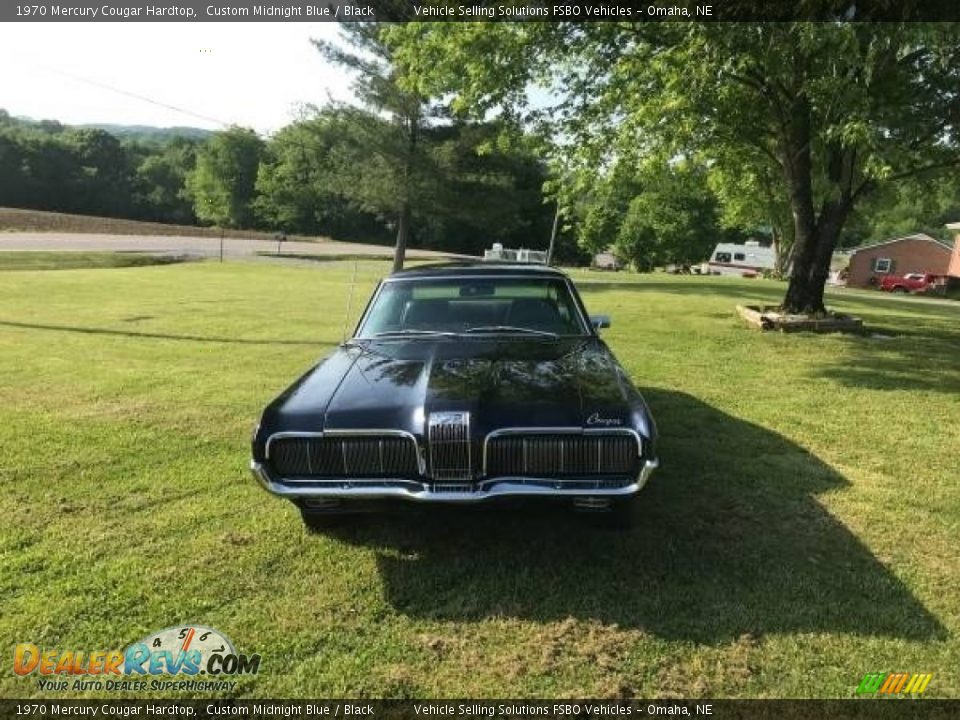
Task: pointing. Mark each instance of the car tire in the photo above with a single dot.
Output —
(899, 291)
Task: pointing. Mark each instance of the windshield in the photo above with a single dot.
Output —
(423, 307)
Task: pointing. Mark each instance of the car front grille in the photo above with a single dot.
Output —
(449, 436)
(551, 455)
(369, 456)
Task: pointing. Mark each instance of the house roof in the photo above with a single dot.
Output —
(918, 236)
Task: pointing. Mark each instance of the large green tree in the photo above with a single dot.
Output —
(387, 176)
(673, 220)
(223, 183)
(161, 177)
(103, 184)
(836, 109)
(306, 179)
(905, 208)
(748, 189)
(322, 175)
(653, 213)
(293, 190)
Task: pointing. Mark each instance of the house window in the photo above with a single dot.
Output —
(882, 265)
(739, 256)
(722, 257)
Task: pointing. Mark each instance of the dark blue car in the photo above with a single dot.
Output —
(462, 384)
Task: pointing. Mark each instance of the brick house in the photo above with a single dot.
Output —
(911, 254)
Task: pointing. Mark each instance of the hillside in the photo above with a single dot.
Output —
(141, 132)
(150, 132)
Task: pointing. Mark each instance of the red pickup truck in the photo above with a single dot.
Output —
(909, 283)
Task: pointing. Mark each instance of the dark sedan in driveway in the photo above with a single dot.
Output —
(462, 384)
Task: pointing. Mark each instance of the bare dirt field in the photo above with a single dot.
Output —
(35, 230)
(233, 247)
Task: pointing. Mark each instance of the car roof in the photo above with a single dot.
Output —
(476, 269)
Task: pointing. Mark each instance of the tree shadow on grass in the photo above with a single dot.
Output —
(729, 540)
(738, 291)
(891, 358)
(729, 287)
(159, 336)
(896, 351)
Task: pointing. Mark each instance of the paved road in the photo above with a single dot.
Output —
(206, 246)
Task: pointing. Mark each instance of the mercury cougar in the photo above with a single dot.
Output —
(462, 383)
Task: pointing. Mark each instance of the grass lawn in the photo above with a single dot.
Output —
(802, 530)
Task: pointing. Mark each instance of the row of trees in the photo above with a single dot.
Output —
(318, 176)
(48, 166)
(334, 172)
(663, 140)
(339, 173)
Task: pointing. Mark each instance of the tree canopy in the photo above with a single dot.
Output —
(320, 175)
(821, 114)
(389, 173)
(313, 177)
(223, 182)
(659, 139)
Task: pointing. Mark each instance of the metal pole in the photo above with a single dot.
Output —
(346, 317)
(553, 234)
(221, 244)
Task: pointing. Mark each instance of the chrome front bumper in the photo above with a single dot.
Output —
(422, 492)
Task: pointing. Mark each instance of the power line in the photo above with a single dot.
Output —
(136, 96)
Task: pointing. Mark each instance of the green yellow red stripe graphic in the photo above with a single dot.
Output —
(894, 683)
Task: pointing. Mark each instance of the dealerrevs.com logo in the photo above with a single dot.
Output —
(187, 651)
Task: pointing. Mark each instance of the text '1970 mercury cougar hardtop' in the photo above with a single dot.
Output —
(462, 384)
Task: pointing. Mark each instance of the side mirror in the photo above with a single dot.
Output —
(600, 321)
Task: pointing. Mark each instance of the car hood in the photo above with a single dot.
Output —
(500, 382)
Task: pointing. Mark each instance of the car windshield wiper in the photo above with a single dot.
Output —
(510, 329)
(410, 332)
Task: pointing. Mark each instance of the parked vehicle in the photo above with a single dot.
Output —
(606, 260)
(462, 384)
(909, 283)
(747, 260)
(498, 253)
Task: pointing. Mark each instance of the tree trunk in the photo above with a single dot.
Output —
(412, 126)
(812, 268)
(782, 244)
(403, 230)
(807, 280)
(814, 237)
